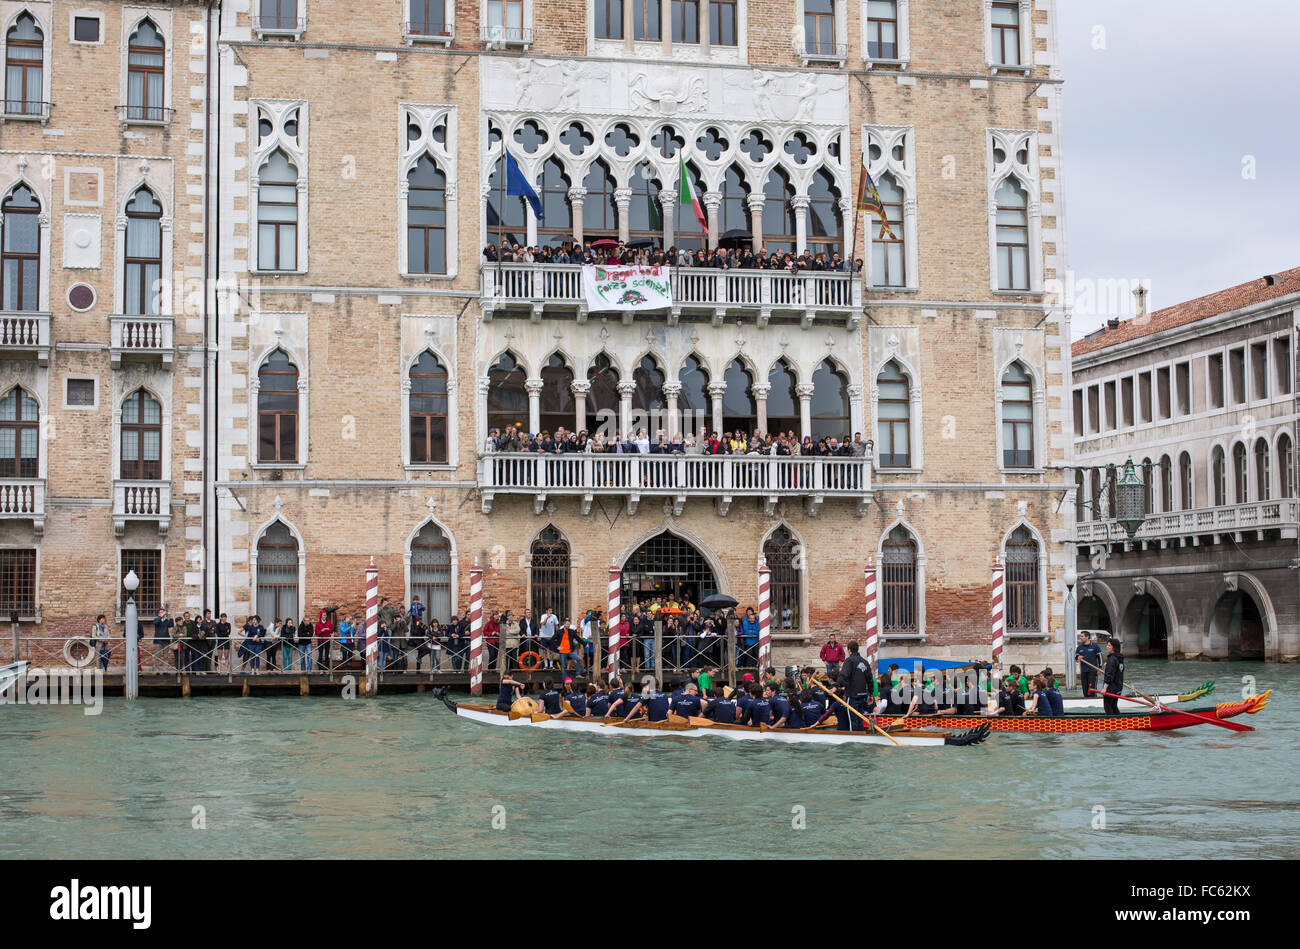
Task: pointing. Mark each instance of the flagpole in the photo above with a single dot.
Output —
(501, 214)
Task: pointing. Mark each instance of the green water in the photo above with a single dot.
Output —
(401, 777)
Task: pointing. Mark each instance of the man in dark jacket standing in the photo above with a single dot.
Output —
(1087, 652)
(854, 686)
(1114, 681)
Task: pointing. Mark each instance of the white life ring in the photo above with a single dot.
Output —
(70, 656)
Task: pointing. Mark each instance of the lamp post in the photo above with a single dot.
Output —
(1130, 499)
(131, 681)
(1071, 578)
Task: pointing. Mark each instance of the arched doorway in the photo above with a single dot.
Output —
(666, 565)
(1237, 627)
(1146, 633)
(1092, 614)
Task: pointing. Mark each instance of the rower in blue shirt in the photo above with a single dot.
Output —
(597, 702)
(577, 699)
(686, 702)
(509, 693)
(550, 698)
(760, 707)
(812, 710)
(721, 709)
(780, 707)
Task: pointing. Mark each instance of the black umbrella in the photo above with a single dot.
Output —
(719, 601)
(736, 237)
(639, 242)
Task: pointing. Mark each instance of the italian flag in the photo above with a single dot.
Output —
(688, 197)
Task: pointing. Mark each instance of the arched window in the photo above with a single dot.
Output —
(553, 188)
(144, 74)
(1286, 466)
(507, 399)
(20, 435)
(1219, 477)
(1094, 481)
(738, 409)
(1012, 236)
(694, 397)
(733, 213)
(779, 224)
(1263, 474)
(599, 211)
(141, 437)
(893, 417)
(549, 574)
(1185, 480)
(888, 256)
(428, 411)
(143, 257)
(824, 223)
(426, 218)
(277, 214)
(1022, 582)
(782, 400)
(24, 67)
(781, 551)
(648, 395)
(277, 410)
(1240, 475)
(557, 407)
(1017, 418)
(431, 571)
(506, 218)
(277, 574)
(830, 403)
(1166, 484)
(645, 220)
(20, 250)
(602, 398)
(898, 582)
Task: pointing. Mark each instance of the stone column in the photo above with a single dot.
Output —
(760, 390)
(668, 207)
(671, 391)
(756, 202)
(623, 201)
(846, 218)
(627, 26)
(705, 36)
(534, 389)
(576, 197)
(857, 414)
(800, 204)
(715, 392)
(580, 389)
(625, 390)
(712, 200)
(805, 392)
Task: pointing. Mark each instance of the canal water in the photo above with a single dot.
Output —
(401, 777)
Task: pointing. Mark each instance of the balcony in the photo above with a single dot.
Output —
(1188, 527)
(23, 499)
(501, 37)
(717, 294)
(140, 339)
(25, 334)
(414, 32)
(26, 110)
(822, 51)
(141, 501)
(279, 26)
(144, 114)
(675, 478)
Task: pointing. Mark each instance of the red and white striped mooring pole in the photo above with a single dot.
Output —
(475, 629)
(873, 622)
(372, 628)
(764, 615)
(999, 616)
(614, 617)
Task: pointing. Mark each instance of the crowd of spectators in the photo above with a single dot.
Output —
(708, 443)
(615, 253)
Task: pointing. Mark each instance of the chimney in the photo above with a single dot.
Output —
(1140, 298)
(1112, 323)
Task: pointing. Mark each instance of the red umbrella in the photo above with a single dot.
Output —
(604, 242)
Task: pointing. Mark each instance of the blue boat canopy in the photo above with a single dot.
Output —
(909, 663)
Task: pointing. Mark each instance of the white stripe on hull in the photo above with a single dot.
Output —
(828, 737)
(1125, 705)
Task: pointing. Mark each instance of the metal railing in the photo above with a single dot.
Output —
(507, 36)
(823, 50)
(279, 25)
(1257, 515)
(144, 114)
(661, 654)
(26, 109)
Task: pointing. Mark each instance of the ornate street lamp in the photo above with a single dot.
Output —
(1130, 499)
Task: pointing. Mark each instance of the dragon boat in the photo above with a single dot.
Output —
(1078, 704)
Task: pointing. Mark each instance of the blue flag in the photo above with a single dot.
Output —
(517, 184)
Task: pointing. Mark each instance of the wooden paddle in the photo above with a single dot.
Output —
(1231, 726)
(863, 717)
(540, 717)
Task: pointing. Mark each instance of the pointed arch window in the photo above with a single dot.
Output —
(431, 571)
(781, 551)
(694, 397)
(428, 411)
(145, 74)
(549, 574)
(24, 67)
(648, 395)
(1166, 484)
(277, 410)
(738, 409)
(687, 233)
(602, 397)
(426, 218)
(1148, 488)
(556, 225)
(888, 256)
(782, 400)
(141, 437)
(20, 250)
(1017, 417)
(1185, 480)
(507, 399)
(277, 573)
(1012, 235)
(733, 213)
(20, 435)
(894, 417)
(645, 213)
(1219, 477)
(599, 210)
(1286, 466)
(1022, 582)
(779, 225)
(506, 219)
(557, 406)
(277, 214)
(830, 403)
(143, 256)
(898, 583)
(824, 218)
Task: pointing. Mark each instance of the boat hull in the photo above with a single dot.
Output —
(1130, 705)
